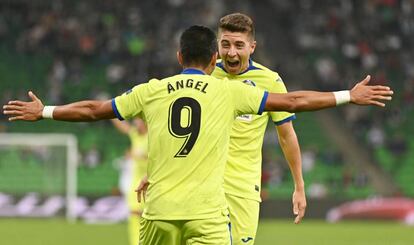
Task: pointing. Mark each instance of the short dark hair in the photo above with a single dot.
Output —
(197, 45)
(237, 22)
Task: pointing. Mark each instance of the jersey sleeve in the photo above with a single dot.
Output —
(129, 104)
(247, 99)
(279, 117)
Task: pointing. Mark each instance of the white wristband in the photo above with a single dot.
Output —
(342, 97)
(48, 112)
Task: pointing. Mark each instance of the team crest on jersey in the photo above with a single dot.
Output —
(249, 82)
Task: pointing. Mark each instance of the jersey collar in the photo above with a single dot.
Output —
(192, 71)
(249, 68)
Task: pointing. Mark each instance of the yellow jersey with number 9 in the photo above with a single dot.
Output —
(189, 118)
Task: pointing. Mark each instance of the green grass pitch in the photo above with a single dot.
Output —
(270, 232)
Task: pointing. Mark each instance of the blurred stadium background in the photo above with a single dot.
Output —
(71, 50)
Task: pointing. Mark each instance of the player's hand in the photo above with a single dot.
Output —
(142, 189)
(364, 94)
(299, 204)
(26, 111)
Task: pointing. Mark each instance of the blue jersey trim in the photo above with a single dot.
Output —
(262, 104)
(220, 65)
(293, 117)
(250, 68)
(116, 110)
(192, 71)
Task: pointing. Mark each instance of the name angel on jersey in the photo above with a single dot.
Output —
(199, 85)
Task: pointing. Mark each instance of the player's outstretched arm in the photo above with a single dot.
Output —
(360, 94)
(82, 111)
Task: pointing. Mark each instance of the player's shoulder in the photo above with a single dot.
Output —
(145, 88)
(257, 67)
(151, 82)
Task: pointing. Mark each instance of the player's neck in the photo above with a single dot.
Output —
(246, 65)
(195, 67)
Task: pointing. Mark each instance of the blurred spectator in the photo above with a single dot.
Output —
(56, 79)
(308, 160)
(376, 137)
(408, 93)
(317, 190)
(273, 173)
(115, 73)
(398, 145)
(92, 157)
(331, 157)
(360, 179)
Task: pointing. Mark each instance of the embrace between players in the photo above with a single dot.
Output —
(199, 140)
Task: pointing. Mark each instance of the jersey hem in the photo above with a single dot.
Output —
(288, 119)
(263, 103)
(186, 217)
(115, 109)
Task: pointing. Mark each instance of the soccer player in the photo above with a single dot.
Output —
(189, 118)
(242, 176)
(137, 133)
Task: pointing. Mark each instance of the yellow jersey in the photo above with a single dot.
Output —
(242, 176)
(189, 118)
(139, 152)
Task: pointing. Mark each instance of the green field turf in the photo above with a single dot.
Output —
(58, 232)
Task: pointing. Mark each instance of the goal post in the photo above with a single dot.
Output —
(67, 141)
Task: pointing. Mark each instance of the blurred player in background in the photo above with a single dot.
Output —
(136, 170)
(189, 118)
(242, 179)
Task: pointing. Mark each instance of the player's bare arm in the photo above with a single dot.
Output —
(82, 111)
(360, 94)
(291, 150)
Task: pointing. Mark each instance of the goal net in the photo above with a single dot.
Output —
(39, 171)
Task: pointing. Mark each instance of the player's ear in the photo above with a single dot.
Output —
(210, 68)
(179, 58)
(252, 46)
(214, 59)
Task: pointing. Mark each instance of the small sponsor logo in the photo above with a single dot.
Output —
(247, 239)
(256, 188)
(246, 117)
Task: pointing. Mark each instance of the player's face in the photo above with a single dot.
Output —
(235, 49)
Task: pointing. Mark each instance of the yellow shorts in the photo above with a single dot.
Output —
(185, 232)
(244, 217)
